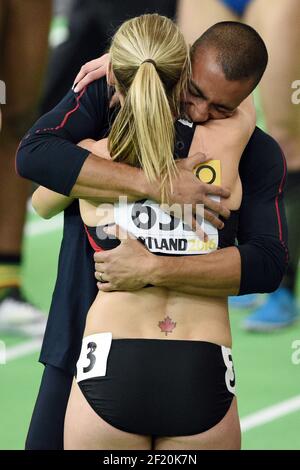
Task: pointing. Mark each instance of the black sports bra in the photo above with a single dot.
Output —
(161, 233)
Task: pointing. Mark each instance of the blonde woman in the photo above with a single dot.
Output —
(155, 369)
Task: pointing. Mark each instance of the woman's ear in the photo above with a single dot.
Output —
(110, 76)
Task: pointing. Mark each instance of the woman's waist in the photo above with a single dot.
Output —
(160, 313)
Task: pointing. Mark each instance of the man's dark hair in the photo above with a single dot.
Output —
(241, 52)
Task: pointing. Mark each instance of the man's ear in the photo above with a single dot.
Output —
(110, 76)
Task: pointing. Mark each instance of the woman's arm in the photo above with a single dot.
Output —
(48, 203)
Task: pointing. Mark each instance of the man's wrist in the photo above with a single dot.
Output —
(140, 184)
(147, 189)
(161, 269)
(155, 270)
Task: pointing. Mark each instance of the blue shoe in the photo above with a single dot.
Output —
(243, 301)
(279, 311)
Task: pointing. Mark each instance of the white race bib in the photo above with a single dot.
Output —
(93, 356)
(162, 232)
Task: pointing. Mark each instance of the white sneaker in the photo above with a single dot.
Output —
(17, 315)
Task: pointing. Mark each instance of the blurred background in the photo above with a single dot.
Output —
(43, 46)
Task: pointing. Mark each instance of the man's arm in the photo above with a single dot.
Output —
(100, 178)
(49, 156)
(263, 233)
(217, 274)
(257, 264)
(48, 153)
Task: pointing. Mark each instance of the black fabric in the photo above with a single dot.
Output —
(48, 153)
(262, 234)
(10, 259)
(184, 135)
(161, 387)
(47, 423)
(75, 291)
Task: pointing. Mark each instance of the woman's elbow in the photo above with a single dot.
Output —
(40, 208)
(42, 212)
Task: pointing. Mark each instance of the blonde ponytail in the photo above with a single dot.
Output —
(151, 66)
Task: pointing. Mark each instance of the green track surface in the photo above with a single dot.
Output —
(20, 378)
(263, 365)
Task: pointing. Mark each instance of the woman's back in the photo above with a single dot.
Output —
(155, 312)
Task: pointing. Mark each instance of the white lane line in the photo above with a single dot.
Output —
(23, 349)
(270, 413)
(41, 226)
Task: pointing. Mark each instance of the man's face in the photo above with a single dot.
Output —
(210, 94)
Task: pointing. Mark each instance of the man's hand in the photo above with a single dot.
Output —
(90, 72)
(125, 267)
(188, 191)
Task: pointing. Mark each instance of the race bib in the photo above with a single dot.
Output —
(92, 361)
(229, 374)
(164, 233)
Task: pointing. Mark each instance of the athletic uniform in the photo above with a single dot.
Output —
(48, 155)
(140, 385)
(237, 6)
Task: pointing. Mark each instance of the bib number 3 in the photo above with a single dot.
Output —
(93, 357)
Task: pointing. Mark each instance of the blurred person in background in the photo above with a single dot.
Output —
(278, 24)
(84, 32)
(23, 58)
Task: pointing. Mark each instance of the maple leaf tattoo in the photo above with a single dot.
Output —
(167, 325)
